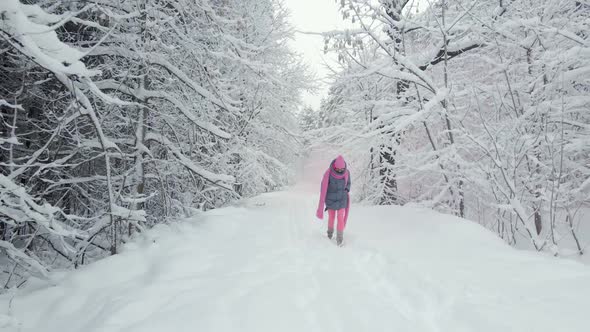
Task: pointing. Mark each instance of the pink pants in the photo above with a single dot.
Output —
(331, 217)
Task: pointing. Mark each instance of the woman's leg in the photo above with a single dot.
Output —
(341, 225)
(331, 217)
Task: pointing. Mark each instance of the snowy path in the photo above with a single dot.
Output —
(266, 266)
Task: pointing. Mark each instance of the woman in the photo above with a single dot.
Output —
(334, 196)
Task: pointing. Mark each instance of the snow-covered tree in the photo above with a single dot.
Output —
(476, 109)
(118, 115)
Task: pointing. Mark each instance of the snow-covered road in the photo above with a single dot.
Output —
(266, 265)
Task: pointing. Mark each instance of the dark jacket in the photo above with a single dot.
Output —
(337, 193)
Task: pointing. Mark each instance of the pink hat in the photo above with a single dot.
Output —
(339, 162)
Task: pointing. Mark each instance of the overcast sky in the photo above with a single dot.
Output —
(314, 16)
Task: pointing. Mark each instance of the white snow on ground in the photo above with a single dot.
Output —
(265, 265)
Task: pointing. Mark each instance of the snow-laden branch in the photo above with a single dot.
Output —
(160, 61)
(22, 259)
(452, 52)
(40, 44)
(9, 105)
(220, 180)
(140, 94)
(17, 208)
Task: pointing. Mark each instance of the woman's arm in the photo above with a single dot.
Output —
(348, 181)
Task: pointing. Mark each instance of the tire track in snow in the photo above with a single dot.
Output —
(307, 289)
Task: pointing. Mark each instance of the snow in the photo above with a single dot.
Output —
(38, 15)
(265, 265)
(11, 140)
(127, 214)
(7, 104)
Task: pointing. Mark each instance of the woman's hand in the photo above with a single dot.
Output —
(320, 213)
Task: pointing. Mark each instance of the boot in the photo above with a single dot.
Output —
(339, 238)
(330, 233)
